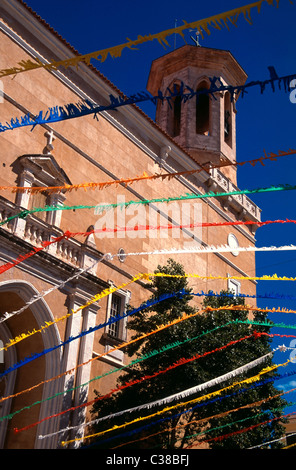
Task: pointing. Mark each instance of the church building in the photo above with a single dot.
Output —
(51, 293)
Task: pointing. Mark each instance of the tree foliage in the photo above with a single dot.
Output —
(181, 427)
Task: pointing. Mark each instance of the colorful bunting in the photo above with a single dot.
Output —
(198, 405)
(178, 363)
(87, 108)
(100, 208)
(219, 415)
(129, 181)
(210, 249)
(240, 431)
(184, 394)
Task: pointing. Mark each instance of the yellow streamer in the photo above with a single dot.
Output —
(102, 294)
(201, 420)
(184, 404)
(217, 21)
(274, 277)
(147, 276)
(116, 348)
(289, 447)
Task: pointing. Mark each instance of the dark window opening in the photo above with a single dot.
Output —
(227, 120)
(115, 310)
(202, 113)
(177, 116)
(227, 124)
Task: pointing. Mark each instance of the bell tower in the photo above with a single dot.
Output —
(203, 125)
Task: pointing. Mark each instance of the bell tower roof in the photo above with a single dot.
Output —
(205, 58)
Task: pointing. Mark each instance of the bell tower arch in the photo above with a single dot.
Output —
(205, 126)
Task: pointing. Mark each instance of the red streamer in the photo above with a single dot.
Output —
(203, 224)
(180, 362)
(21, 258)
(67, 234)
(240, 431)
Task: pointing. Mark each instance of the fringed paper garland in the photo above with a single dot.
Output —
(219, 21)
(182, 395)
(87, 108)
(274, 277)
(138, 228)
(178, 363)
(219, 415)
(198, 405)
(241, 431)
(100, 208)
(213, 249)
(129, 181)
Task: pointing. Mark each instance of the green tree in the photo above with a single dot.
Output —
(270, 404)
(178, 428)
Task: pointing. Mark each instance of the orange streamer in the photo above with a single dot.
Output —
(145, 176)
(197, 421)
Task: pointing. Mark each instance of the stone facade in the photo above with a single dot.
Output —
(120, 144)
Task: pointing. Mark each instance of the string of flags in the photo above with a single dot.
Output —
(70, 111)
(88, 108)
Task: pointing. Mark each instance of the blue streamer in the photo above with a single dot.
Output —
(117, 318)
(112, 320)
(208, 402)
(85, 108)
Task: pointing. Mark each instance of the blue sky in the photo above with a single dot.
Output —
(264, 122)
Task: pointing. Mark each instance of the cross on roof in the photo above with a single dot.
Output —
(196, 40)
(50, 138)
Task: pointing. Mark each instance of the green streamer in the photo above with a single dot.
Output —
(100, 208)
(135, 361)
(272, 410)
(149, 355)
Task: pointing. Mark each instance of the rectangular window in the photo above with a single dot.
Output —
(39, 199)
(115, 310)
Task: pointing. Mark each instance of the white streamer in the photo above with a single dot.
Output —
(271, 442)
(213, 249)
(46, 292)
(170, 398)
(109, 256)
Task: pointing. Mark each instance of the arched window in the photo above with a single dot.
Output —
(174, 110)
(227, 119)
(203, 110)
(176, 105)
(177, 116)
